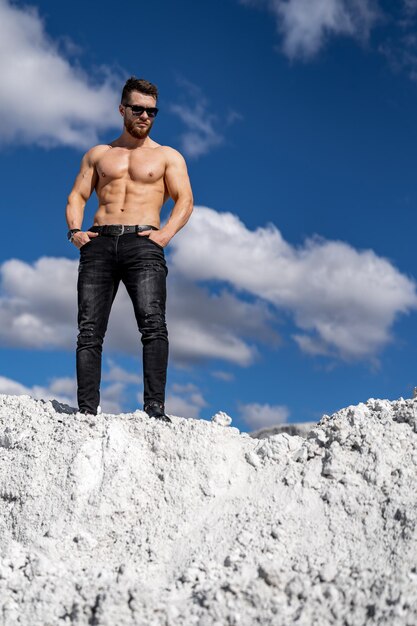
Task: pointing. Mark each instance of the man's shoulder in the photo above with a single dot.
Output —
(94, 153)
(171, 154)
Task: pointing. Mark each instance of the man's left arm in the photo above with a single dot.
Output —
(179, 189)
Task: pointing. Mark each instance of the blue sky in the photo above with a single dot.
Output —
(292, 288)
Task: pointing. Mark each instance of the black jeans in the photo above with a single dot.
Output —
(140, 264)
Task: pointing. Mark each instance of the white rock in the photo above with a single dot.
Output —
(120, 520)
(222, 419)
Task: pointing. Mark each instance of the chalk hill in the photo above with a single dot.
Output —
(119, 520)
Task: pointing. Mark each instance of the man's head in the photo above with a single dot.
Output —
(138, 92)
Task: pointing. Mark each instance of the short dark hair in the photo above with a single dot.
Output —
(138, 84)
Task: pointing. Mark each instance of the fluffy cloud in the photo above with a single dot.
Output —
(215, 325)
(343, 301)
(66, 107)
(305, 27)
(118, 374)
(64, 389)
(201, 325)
(306, 24)
(185, 400)
(37, 307)
(262, 415)
(61, 389)
(38, 310)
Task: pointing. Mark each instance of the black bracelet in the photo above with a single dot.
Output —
(72, 232)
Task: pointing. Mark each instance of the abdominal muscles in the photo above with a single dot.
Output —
(123, 201)
(130, 187)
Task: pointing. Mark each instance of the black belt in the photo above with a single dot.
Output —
(120, 229)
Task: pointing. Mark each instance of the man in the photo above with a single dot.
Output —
(133, 176)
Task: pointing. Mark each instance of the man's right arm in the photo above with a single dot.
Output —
(84, 186)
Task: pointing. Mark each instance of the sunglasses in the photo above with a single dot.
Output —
(138, 110)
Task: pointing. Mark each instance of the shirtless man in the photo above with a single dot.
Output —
(133, 176)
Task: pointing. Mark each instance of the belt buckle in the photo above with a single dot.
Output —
(121, 228)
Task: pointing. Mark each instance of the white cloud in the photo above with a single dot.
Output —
(202, 134)
(44, 99)
(38, 309)
(261, 415)
(209, 325)
(344, 301)
(185, 401)
(305, 25)
(111, 397)
(61, 389)
(118, 374)
(64, 389)
(201, 325)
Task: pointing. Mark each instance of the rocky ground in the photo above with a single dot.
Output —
(120, 520)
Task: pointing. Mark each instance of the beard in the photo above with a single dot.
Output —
(136, 131)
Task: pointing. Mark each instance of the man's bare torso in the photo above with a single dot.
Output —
(130, 184)
(133, 177)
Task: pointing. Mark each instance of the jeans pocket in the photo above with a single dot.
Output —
(155, 244)
(87, 243)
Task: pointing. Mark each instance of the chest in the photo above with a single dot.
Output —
(132, 165)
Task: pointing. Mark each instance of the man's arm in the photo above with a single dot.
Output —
(83, 188)
(179, 188)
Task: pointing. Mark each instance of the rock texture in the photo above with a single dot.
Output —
(121, 520)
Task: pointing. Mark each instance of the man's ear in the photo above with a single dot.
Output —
(121, 110)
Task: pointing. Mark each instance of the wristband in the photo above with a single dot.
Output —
(72, 232)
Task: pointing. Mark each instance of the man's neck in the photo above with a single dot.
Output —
(126, 140)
